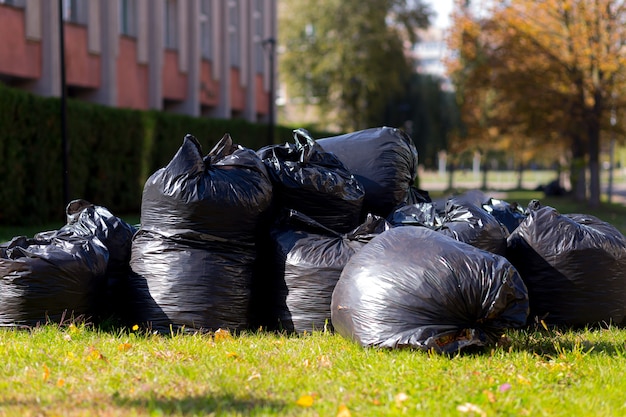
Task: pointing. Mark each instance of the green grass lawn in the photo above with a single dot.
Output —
(81, 370)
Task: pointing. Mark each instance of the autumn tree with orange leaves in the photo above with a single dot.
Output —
(541, 75)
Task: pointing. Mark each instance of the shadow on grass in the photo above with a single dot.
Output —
(203, 405)
(186, 406)
(556, 341)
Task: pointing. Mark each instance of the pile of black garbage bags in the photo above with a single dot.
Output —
(318, 234)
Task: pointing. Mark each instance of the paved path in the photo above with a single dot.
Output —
(618, 195)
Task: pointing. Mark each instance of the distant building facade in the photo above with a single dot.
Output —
(196, 57)
(430, 53)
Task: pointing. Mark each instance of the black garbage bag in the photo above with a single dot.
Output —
(191, 281)
(313, 182)
(414, 287)
(53, 277)
(308, 260)
(417, 195)
(383, 159)
(418, 214)
(470, 197)
(553, 188)
(87, 219)
(223, 193)
(470, 223)
(509, 214)
(462, 218)
(193, 255)
(574, 266)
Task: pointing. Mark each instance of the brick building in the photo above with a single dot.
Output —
(197, 57)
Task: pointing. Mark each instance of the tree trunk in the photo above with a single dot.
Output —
(578, 179)
(485, 169)
(593, 129)
(451, 177)
(576, 130)
(594, 183)
(578, 169)
(520, 175)
(594, 115)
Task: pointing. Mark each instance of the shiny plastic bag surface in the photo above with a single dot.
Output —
(314, 182)
(193, 256)
(417, 214)
(383, 159)
(308, 261)
(191, 281)
(510, 215)
(223, 193)
(574, 266)
(470, 223)
(414, 287)
(56, 275)
(89, 219)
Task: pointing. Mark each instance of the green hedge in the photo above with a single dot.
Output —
(112, 152)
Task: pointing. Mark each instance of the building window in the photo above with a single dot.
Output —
(171, 24)
(75, 11)
(206, 19)
(128, 17)
(233, 32)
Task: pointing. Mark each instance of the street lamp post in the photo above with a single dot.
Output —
(269, 45)
(64, 141)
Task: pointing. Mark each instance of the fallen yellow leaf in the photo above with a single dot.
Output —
(124, 347)
(305, 401)
(491, 397)
(324, 362)
(343, 411)
(221, 334)
(95, 354)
